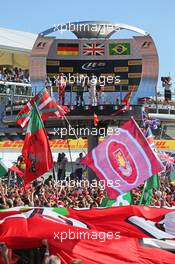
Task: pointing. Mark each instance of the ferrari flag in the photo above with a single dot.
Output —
(116, 235)
(36, 149)
(123, 160)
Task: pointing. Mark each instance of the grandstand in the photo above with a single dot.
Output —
(15, 48)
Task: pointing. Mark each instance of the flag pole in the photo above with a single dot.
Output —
(73, 132)
(70, 155)
(8, 178)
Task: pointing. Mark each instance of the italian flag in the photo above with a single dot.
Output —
(121, 200)
(6, 165)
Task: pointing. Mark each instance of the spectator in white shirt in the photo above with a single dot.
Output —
(92, 90)
(79, 167)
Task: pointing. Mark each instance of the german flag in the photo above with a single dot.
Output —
(67, 49)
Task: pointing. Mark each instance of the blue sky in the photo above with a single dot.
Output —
(154, 16)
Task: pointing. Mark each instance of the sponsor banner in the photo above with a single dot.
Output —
(134, 75)
(135, 62)
(99, 67)
(123, 82)
(119, 49)
(56, 144)
(53, 62)
(165, 145)
(121, 69)
(66, 69)
(67, 49)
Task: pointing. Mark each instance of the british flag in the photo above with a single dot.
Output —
(93, 49)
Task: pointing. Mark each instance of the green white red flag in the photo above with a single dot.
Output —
(6, 165)
(46, 106)
(36, 149)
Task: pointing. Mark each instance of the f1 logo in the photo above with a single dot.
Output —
(41, 45)
(146, 44)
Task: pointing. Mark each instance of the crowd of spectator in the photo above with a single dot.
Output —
(60, 190)
(74, 194)
(9, 74)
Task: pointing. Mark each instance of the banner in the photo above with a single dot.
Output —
(94, 235)
(164, 145)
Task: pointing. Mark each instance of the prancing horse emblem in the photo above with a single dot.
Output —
(33, 160)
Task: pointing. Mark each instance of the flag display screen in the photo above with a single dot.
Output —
(116, 76)
(123, 69)
(123, 63)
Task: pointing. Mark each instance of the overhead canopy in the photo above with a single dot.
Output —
(93, 29)
(15, 47)
(13, 40)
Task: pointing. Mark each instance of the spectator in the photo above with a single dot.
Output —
(79, 167)
(53, 260)
(61, 84)
(80, 83)
(92, 90)
(4, 252)
(59, 166)
(48, 84)
(9, 74)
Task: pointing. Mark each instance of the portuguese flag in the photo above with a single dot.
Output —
(119, 48)
(36, 149)
(67, 49)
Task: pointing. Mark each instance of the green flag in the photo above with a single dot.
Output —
(150, 184)
(123, 199)
(107, 202)
(119, 48)
(172, 177)
(6, 165)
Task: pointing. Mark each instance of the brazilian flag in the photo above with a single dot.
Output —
(119, 48)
